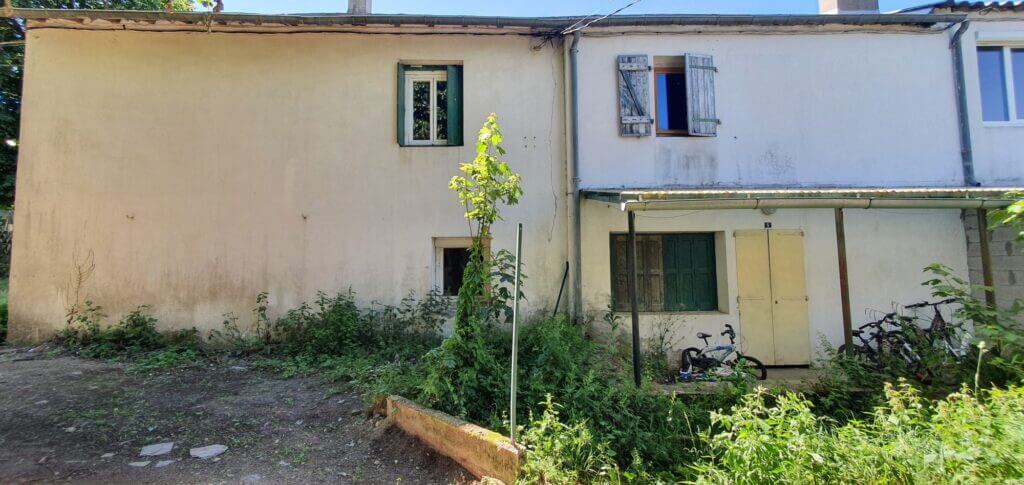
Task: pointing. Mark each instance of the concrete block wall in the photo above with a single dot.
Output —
(1007, 260)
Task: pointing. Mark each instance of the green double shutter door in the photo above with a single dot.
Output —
(689, 265)
(454, 102)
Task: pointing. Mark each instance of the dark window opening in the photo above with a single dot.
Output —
(670, 95)
(675, 272)
(455, 260)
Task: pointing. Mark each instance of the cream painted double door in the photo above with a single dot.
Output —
(773, 296)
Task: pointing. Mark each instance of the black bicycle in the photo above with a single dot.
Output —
(948, 337)
(719, 360)
(880, 347)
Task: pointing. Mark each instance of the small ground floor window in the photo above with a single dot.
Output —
(675, 272)
(455, 260)
(451, 255)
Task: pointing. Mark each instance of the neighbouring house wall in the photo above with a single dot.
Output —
(797, 109)
(1007, 261)
(998, 150)
(998, 147)
(197, 170)
(887, 252)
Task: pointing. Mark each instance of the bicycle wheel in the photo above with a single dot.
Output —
(686, 363)
(900, 350)
(752, 366)
(860, 353)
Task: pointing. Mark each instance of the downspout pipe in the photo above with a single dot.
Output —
(576, 285)
(966, 146)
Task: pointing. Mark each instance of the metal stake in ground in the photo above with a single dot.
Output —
(515, 334)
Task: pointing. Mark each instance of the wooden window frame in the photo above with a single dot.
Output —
(668, 70)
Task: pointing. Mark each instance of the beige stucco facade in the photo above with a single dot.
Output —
(198, 169)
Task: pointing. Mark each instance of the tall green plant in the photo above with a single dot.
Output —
(464, 370)
(488, 181)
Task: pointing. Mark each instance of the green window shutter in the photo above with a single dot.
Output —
(673, 292)
(455, 105)
(401, 105)
(690, 280)
(705, 288)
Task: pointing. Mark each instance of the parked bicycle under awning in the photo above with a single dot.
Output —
(633, 200)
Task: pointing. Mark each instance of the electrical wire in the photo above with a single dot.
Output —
(570, 30)
(583, 19)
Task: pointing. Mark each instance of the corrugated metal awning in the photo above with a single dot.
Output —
(823, 198)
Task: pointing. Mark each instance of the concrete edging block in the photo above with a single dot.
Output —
(480, 451)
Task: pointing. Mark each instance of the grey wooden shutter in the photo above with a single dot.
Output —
(634, 95)
(700, 92)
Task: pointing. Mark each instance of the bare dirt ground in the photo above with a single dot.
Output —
(69, 419)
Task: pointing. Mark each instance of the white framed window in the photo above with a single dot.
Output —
(1001, 79)
(426, 108)
(451, 255)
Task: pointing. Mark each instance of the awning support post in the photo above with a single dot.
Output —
(633, 300)
(986, 258)
(844, 280)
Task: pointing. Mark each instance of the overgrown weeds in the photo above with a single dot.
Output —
(968, 437)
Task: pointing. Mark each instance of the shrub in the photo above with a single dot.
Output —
(134, 337)
(561, 453)
(334, 326)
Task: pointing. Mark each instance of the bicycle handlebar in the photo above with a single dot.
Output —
(926, 303)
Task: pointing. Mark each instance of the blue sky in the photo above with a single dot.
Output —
(545, 7)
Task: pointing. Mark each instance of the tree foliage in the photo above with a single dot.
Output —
(1011, 216)
(12, 56)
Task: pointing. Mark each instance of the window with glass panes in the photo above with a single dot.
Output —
(1001, 78)
(429, 105)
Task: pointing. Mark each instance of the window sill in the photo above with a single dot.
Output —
(1003, 124)
(425, 145)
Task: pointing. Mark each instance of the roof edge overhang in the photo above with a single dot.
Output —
(830, 198)
(67, 18)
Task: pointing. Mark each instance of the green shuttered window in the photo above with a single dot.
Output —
(429, 105)
(675, 272)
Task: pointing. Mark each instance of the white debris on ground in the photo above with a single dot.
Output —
(207, 452)
(157, 449)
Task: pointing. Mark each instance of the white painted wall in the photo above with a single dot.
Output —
(887, 251)
(998, 147)
(200, 169)
(797, 109)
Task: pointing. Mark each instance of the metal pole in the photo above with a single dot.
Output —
(561, 289)
(844, 281)
(986, 258)
(633, 303)
(515, 334)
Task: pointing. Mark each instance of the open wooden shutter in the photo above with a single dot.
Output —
(651, 278)
(649, 274)
(620, 271)
(401, 105)
(455, 105)
(700, 87)
(634, 95)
